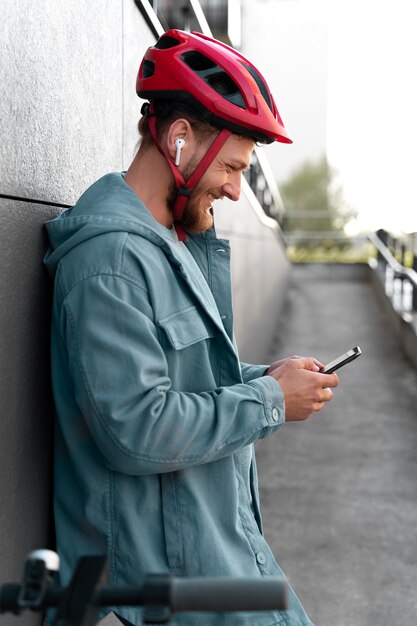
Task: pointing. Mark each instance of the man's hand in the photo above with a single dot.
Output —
(277, 364)
(305, 389)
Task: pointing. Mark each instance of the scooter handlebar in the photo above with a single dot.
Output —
(228, 594)
(178, 594)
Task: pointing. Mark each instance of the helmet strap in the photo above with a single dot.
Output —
(184, 188)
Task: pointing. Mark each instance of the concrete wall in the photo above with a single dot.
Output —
(26, 413)
(70, 107)
(68, 114)
(260, 273)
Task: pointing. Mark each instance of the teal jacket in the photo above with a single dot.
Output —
(156, 416)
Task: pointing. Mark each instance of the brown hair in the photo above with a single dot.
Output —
(167, 112)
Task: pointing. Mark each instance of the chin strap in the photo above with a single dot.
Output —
(184, 188)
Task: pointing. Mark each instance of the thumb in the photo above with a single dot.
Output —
(311, 364)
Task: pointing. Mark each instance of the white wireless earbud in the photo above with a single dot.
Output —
(179, 143)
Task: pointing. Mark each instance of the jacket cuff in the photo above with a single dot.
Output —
(273, 399)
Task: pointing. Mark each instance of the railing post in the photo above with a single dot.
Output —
(414, 286)
(382, 264)
(403, 249)
(382, 235)
(396, 247)
(388, 242)
(403, 282)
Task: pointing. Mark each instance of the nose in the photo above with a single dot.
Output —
(231, 189)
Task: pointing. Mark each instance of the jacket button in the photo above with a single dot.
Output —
(261, 558)
(275, 414)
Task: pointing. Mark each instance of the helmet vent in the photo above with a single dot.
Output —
(226, 87)
(148, 69)
(197, 61)
(166, 42)
(261, 85)
(214, 76)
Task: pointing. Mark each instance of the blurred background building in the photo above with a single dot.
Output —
(288, 40)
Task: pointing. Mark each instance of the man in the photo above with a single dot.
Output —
(156, 416)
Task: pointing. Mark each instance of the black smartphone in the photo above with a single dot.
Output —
(341, 360)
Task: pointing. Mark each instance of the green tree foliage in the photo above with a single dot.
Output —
(313, 201)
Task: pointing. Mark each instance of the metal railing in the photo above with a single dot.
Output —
(396, 262)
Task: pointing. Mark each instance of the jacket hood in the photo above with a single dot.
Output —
(94, 214)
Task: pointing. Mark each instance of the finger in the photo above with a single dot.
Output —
(318, 363)
(329, 380)
(308, 363)
(327, 395)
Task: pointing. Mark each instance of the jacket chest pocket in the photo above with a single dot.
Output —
(186, 328)
(193, 356)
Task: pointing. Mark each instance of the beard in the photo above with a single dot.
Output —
(195, 218)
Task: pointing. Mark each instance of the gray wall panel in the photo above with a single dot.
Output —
(260, 274)
(26, 412)
(136, 39)
(61, 122)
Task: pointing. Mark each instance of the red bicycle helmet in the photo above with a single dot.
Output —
(221, 84)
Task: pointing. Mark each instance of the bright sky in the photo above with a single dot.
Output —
(372, 108)
(366, 53)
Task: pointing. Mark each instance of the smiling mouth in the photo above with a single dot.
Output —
(212, 198)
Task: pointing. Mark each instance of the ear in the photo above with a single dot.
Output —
(180, 129)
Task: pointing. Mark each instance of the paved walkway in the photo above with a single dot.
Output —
(339, 492)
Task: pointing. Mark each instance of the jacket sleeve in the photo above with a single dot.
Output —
(121, 384)
(250, 372)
